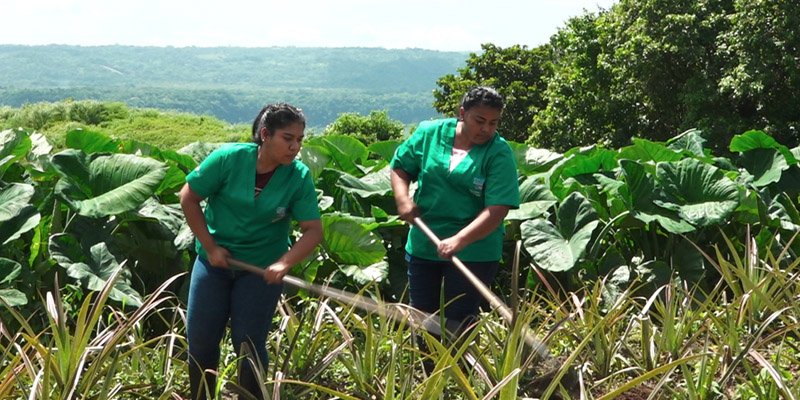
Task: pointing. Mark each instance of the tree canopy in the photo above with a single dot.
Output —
(650, 69)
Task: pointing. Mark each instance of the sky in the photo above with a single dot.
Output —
(446, 25)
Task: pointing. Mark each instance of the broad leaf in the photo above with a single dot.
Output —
(700, 193)
(26, 219)
(690, 141)
(640, 195)
(91, 142)
(13, 198)
(752, 140)
(9, 270)
(365, 275)
(14, 146)
(348, 242)
(531, 160)
(766, 165)
(13, 297)
(102, 185)
(559, 247)
(385, 148)
(644, 150)
(535, 200)
(92, 270)
(374, 184)
(316, 158)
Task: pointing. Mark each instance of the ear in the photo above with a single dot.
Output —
(460, 113)
(264, 133)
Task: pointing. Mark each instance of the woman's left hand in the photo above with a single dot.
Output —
(449, 247)
(274, 273)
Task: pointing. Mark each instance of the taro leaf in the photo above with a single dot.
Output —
(374, 184)
(766, 165)
(385, 148)
(13, 297)
(346, 152)
(531, 160)
(700, 193)
(315, 157)
(26, 219)
(91, 142)
(690, 141)
(559, 247)
(535, 200)
(581, 166)
(365, 275)
(752, 140)
(9, 270)
(13, 198)
(348, 242)
(644, 150)
(106, 184)
(92, 270)
(14, 146)
(199, 150)
(640, 196)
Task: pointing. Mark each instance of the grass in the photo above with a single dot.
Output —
(676, 342)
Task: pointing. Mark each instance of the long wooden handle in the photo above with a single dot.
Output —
(416, 318)
(494, 301)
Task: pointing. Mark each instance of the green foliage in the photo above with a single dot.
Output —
(375, 127)
(646, 69)
(519, 73)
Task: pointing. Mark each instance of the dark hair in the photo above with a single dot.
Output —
(274, 117)
(483, 96)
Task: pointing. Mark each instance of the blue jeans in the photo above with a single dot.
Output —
(425, 279)
(217, 295)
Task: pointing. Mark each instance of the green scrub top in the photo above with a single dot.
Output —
(253, 229)
(449, 201)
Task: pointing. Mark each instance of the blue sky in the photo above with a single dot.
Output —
(448, 25)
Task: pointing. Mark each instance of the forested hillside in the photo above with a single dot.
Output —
(230, 83)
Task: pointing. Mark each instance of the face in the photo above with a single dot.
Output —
(283, 146)
(479, 123)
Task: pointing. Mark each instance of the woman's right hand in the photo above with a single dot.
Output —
(218, 256)
(407, 210)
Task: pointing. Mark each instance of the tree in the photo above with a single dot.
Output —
(377, 126)
(518, 73)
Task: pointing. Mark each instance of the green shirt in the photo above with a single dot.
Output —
(254, 229)
(449, 201)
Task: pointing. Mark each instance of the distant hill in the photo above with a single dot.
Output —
(231, 83)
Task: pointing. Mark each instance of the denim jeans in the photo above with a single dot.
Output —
(217, 295)
(425, 279)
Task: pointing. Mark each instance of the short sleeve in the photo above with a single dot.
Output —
(502, 186)
(208, 177)
(408, 155)
(305, 206)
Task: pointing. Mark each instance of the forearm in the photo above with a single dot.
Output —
(485, 223)
(310, 239)
(190, 203)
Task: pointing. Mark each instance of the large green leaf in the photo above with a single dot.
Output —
(345, 151)
(13, 297)
(106, 184)
(752, 140)
(374, 184)
(365, 275)
(91, 142)
(640, 195)
(766, 165)
(535, 200)
(643, 150)
(13, 198)
(700, 193)
(559, 247)
(347, 242)
(384, 148)
(198, 151)
(531, 160)
(581, 166)
(14, 146)
(690, 141)
(92, 270)
(316, 158)
(26, 219)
